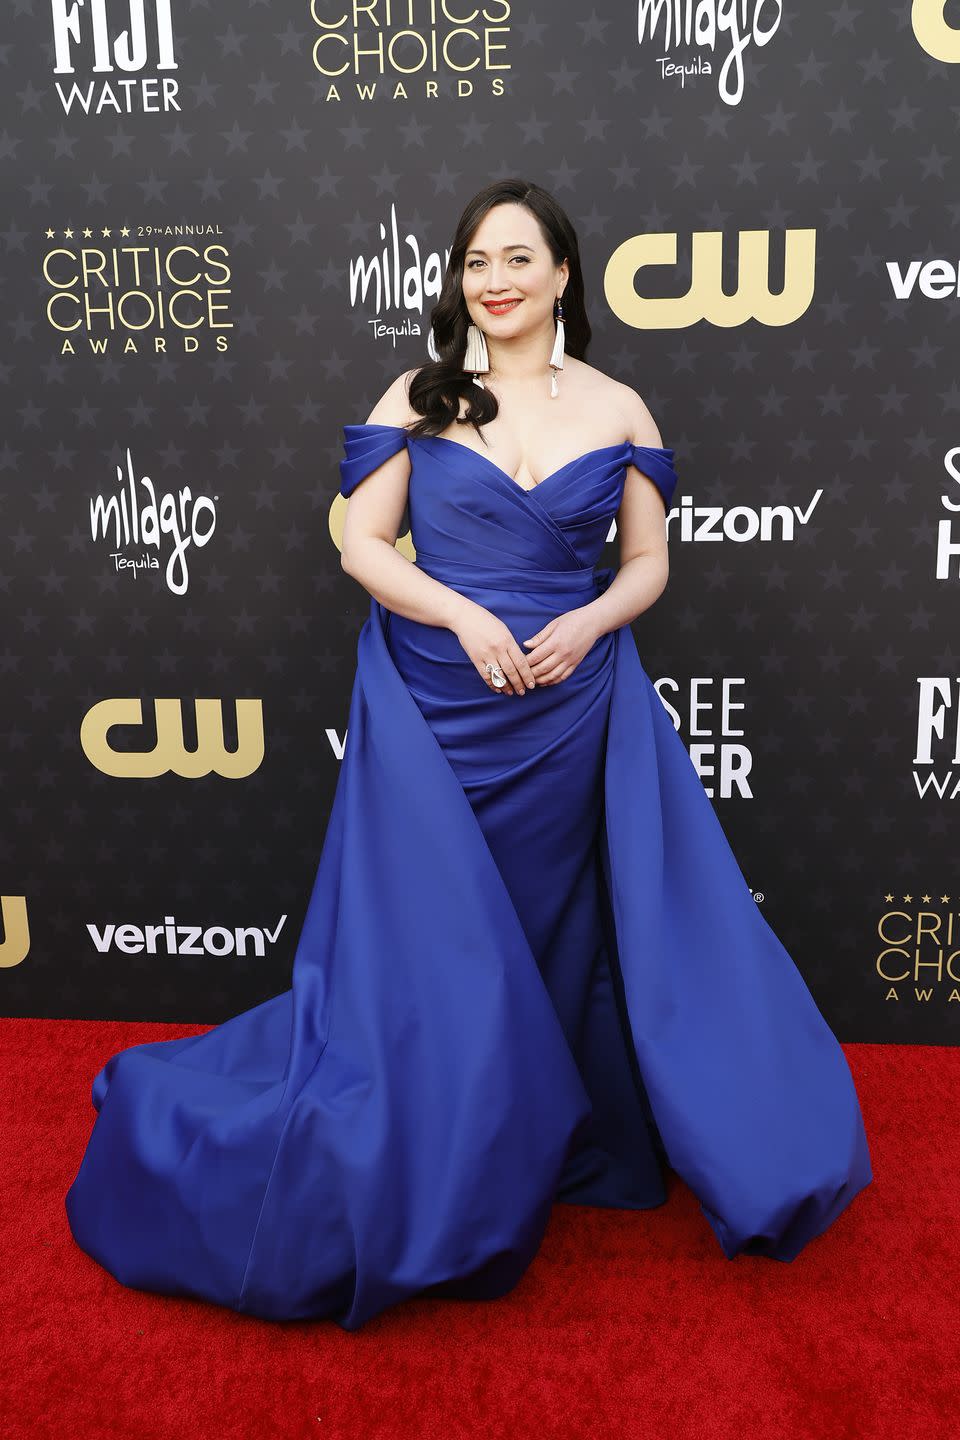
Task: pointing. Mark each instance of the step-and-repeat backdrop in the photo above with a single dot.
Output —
(225, 225)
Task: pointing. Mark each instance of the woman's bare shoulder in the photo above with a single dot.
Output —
(603, 391)
(393, 407)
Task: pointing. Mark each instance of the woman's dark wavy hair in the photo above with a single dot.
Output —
(437, 387)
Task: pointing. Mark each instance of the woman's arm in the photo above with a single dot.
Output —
(368, 552)
(374, 512)
(644, 563)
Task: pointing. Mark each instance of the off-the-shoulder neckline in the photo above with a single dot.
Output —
(577, 459)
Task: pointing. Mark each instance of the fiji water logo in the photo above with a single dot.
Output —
(127, 46)
(128, 519)
(936, 760)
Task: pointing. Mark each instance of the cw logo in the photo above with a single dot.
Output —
(933, 33)
(16, 931)
(170, 754)
(705, 299)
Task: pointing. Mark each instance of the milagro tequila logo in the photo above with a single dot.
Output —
(128, 519)
(399, 278)
(709, 25)
(119, 39)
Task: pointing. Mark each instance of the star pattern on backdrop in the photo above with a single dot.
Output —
(854, 399)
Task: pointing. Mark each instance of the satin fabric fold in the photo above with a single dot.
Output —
(386, 1125)
(530, 970)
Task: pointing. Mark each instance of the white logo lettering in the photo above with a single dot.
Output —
(185, 519)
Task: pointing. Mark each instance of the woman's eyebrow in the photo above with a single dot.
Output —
(504, 247)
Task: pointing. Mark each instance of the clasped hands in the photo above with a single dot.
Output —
(556, 650)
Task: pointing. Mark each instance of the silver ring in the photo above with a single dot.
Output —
(496, 674)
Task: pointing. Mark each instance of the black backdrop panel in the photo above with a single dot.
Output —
(225, 226)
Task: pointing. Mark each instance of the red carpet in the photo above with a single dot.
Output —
(627, 1325)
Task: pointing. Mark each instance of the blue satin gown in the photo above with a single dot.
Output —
(530, 970)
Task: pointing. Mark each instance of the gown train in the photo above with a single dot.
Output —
(530, 970)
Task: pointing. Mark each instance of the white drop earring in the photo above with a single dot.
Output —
(556, 359)
(476, 361)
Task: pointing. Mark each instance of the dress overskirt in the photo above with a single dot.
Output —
(530, 970)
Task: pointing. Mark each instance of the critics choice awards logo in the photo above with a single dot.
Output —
(151, 288)
(918, 960)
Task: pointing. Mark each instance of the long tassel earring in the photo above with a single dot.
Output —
(556, 359)
(476, 361)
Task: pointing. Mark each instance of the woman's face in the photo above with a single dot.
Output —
(507, 259)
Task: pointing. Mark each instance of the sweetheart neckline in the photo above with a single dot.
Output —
(599, 450)
(587, 454)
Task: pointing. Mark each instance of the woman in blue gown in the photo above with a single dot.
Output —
(530, 969)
